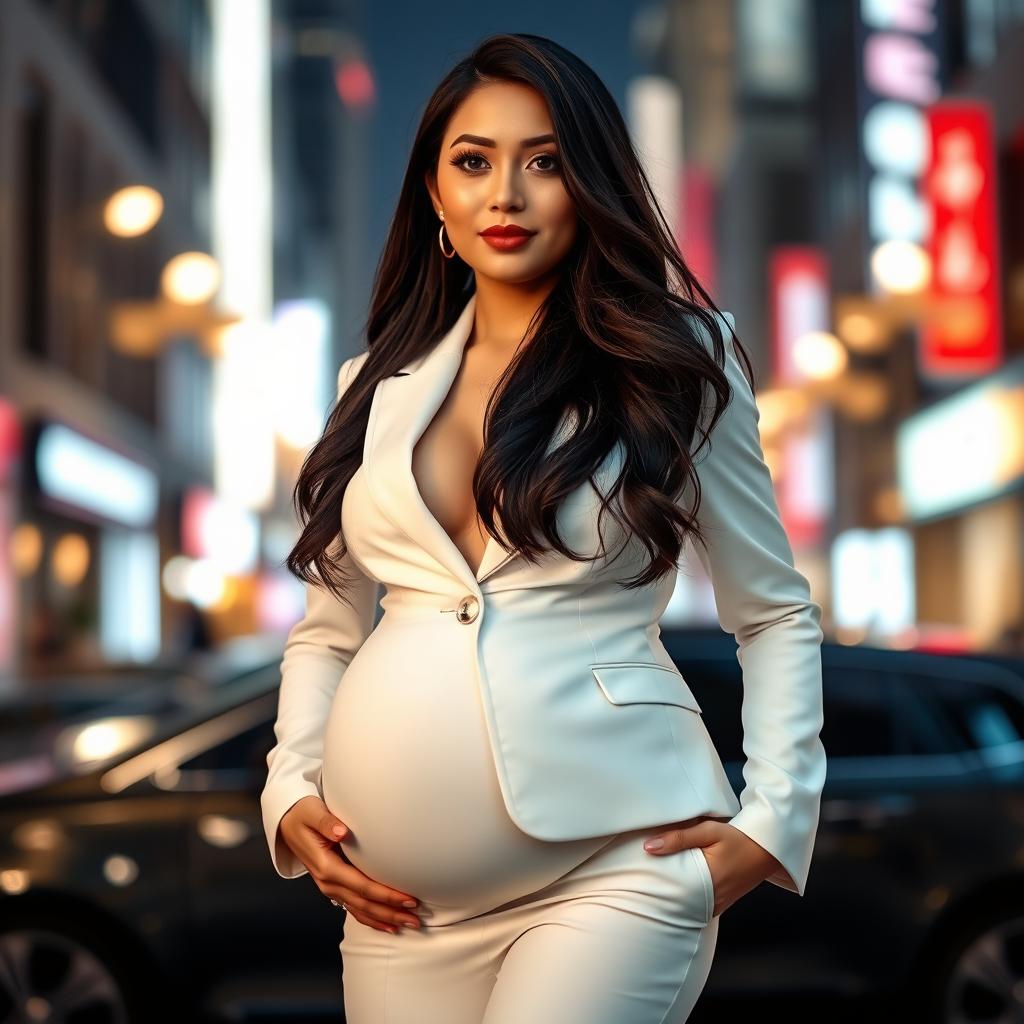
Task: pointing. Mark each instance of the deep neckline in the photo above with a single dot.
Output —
(420, 434)
(426, 508)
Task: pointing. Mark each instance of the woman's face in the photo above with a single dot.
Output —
(499, 165)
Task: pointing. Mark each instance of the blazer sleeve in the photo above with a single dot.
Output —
(765, 603)
(317, 650)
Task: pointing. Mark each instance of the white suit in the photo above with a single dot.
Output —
(591, 729)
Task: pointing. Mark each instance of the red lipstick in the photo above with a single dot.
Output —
(506, 237)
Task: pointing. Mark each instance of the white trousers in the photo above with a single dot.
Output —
(624, 937)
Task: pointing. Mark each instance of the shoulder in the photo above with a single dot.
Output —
(726, 323)
(348, 370)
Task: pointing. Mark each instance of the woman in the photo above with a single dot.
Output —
(514, 458)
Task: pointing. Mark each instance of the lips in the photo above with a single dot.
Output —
(506, 231)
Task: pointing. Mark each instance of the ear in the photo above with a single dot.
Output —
(431, 183)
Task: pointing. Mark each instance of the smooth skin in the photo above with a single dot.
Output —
(498, 164)
(312, 833)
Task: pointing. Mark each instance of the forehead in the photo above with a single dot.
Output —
(503, 111)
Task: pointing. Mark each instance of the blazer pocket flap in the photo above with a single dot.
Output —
(644, 684)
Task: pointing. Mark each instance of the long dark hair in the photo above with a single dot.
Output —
(614, 341)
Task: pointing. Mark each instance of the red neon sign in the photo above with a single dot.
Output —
(959, 187)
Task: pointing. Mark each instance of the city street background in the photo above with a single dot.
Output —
(193, 198)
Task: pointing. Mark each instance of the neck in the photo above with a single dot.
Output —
(503, 312)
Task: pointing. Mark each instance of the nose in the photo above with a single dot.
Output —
(508, 195)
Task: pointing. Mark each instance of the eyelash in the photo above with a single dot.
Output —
(465, 154)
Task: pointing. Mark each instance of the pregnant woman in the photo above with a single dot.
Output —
(511, 470)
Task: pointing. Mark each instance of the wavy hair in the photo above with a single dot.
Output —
(615, 340)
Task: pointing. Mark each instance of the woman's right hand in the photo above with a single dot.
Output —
(311, 832)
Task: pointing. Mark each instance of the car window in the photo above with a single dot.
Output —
(243, 756)
(974, 715)
(859, 714)
(860, 705)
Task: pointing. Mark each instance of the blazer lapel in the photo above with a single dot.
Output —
(402, 408)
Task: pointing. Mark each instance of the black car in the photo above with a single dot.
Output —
(916, 889)
(140, 882)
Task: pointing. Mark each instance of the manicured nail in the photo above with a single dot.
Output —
(339, 830)
(409, 903)
(654, 844)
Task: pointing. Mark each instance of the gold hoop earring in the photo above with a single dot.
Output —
(440, 239)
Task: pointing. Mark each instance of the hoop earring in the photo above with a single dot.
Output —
(440, 239)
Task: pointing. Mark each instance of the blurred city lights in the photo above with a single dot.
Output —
(842, 176)
(281, 600)
(100, 739)
(175, 577)
(229, 536)
(872, 573)
(13, 881)
(75, 469)
(129, 594)
(242, 171)
(963, 448)
(779, 408)
(300, 370)
(11, 437)
(901, 266)
(26, 549)
(133, 211)
(819, 355)
(798, 278)
(204, 583)
(70, 558)
(861, 333)
(864, 396)
(190, 278)
(960, 189)
(243, 390)
(231, 591)
(120, 870)
(354, 82)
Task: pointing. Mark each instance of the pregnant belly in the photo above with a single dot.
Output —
(408, 767)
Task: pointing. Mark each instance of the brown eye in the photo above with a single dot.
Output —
(552, 158)
(460, 159)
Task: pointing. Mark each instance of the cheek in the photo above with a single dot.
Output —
(557, 208)
(460, 195)
(560, 214)
(562, 221)
(460, 202)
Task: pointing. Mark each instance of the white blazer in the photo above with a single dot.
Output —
(593, 729)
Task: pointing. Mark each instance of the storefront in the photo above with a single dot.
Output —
(89, 560)
(960, 472)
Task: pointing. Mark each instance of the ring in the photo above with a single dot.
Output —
(337, 904)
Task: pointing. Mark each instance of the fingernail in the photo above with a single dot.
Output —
(411, 924)
(654, 844)
(339, 830)
(409, 903)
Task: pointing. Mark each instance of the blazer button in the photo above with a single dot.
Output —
(468, 609)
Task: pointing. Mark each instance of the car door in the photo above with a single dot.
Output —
(276, 935)
(763, 933)
(978, 711)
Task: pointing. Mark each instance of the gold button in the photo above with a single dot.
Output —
(467, 610)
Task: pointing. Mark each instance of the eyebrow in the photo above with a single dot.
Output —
(480, 140)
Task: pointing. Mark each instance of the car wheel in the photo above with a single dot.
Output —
(49, 974)
(981, 976)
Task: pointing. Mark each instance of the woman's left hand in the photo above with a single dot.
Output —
(737, 864)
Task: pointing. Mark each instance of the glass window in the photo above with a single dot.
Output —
(244, 754)
(975, 715)
(859, 719)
